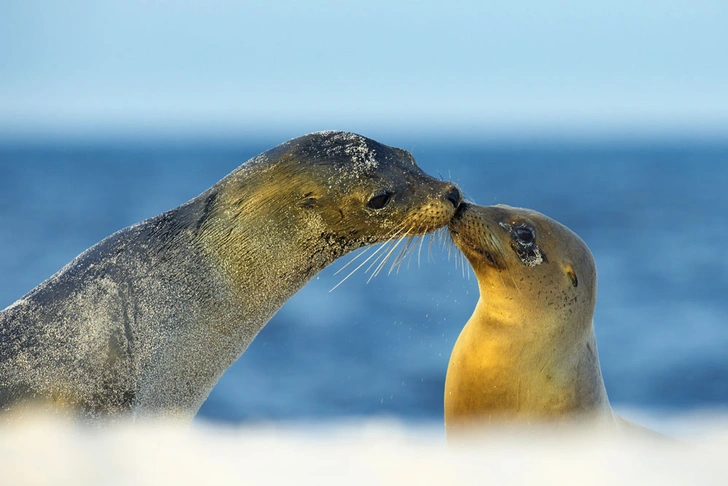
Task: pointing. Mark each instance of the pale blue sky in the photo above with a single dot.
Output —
(224, 67)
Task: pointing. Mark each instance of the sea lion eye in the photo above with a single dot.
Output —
(380, 200)
(524, 244)
(524, 235)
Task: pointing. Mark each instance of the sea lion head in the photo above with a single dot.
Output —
(359, 191)
(528, 353)
(525, 258)
(318, 197)
(343, 189)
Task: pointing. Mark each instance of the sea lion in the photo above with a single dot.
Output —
(528, 354)
(146, 321)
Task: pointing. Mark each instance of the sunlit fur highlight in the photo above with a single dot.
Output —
(528, 354)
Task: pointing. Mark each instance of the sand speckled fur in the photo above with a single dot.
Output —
(145, 322)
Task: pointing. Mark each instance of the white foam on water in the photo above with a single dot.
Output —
(43, 451)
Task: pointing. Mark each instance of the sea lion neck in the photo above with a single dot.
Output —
(240, 248)
(501, 371)
(502, 307)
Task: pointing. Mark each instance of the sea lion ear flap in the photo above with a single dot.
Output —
(308, 201)
(572, 275)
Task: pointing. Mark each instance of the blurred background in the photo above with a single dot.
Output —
(611, 117)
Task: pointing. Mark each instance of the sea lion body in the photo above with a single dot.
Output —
(528, 355)
(145, 322)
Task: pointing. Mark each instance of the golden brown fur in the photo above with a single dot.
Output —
(528, 354)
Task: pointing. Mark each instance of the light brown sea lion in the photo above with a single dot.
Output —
(145, 322)
(528, 354)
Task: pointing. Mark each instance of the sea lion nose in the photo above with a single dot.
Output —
(454, 196)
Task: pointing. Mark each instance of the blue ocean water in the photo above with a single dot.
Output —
(653, 214)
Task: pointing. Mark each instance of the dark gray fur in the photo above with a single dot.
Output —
(93, 332)
(146, 321)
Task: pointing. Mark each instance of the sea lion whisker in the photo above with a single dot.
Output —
(493, 244)
(419, 251)
(430, 253)
(447, 246)
(439, 237)
(363, 251)
(362, 264)
(446, 240)
(409, 231)
(419, 247)
(408, 247)
(402, 255)
(421, 238)
(399, 232)
(460, 260)
(385, 246)
(394, 240)
(408, 252)
(388, 238)
(384, 261)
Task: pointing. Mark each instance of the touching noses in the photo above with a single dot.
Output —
(454, 196)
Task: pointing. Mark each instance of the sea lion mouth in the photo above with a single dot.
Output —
(459, 231)
(468, 243)
(459, 211)
(474, 251)
(456, 223)
(455, 196)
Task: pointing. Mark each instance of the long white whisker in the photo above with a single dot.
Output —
(393, 241)
(402, 255)
(393, 234)
(381, 255)
(360, 265)
(407, 248)
(376, 261)
(419, 252)
(365, 250)
(497, 247)
(384, 261)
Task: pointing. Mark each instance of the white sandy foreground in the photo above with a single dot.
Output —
(44, 451)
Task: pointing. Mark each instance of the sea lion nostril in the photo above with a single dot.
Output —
(454, 196)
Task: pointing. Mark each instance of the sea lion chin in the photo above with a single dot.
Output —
(145, 322)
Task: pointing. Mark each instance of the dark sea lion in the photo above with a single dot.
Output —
(528, 354)
(145, 322)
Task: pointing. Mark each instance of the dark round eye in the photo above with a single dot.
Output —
(524, 234)
(379, 201)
